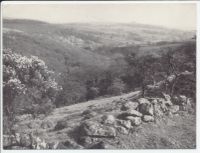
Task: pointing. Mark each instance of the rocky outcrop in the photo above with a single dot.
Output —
(125, 123)
(108, 119)
(134, 113)
(134, 120)
(146, 108)
(174, 109)
(148, 118)
(95, 129)
(101, 145)
(129, 105)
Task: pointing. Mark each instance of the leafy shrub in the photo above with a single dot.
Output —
(92, 92)
(29, 77)
(73, 92)
(117, 87)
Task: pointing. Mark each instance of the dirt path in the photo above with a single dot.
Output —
(80, 107)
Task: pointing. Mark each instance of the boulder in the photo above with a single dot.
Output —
(171, 78)
(33, 125)
(183, 98)
(180, 100)
(123, 115)
(101, 145)
(47, 125)
(25, 140)
(72, 145)
(125, 123)
(122, 129)
(24, 117)
(158, 111)
(134, 120)
(9, 140)
(174, 109)
(41, 116)
(108, 119)
(163, 104)
(146, 109)
(189, 102)
(129, 106)
(148, 118)
(167, 98)
(85, 140)
(61, 125)
(143, 101)
(38, 143)
(95, 129)
(56, 145)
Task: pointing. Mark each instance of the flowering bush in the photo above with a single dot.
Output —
(29, 77)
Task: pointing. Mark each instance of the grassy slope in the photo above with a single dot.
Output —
(90, 45)
(177, 131)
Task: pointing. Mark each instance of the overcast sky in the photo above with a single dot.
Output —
(172, 15)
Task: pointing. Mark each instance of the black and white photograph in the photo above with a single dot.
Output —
(98, 75)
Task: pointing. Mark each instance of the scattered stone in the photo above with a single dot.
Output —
(41, 116)
(146, 108)
(57, 145)
(158, 111)
(148, 118)
(101, 145)
(168, 101)
(180, 100)
(129, 106)
(167, 97)
(170, 114)
(174, 109)
(72, 145)
(134, 120)
(25, 140)
(61, 125)
(162, 104)
(122, 129)
(108, 119)
(94, 129)
(129, 113)
(171, 78)
(85, 140)
(125, 123)
(86, 112)
(33, 125)
(89, 114)
(24, 117)
(183, 98)
(143, 101)
(47, 125)
(9, 140)
(38, 143)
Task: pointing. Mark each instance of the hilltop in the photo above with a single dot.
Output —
(88, 44)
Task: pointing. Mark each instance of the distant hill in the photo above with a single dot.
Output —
(86, 44)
